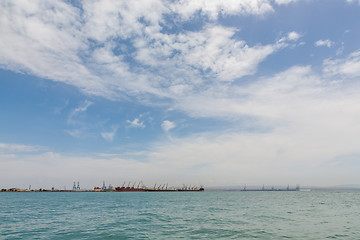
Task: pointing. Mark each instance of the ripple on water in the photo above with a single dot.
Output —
(206, 215)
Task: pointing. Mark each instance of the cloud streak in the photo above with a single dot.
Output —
(348, 67)
(78, 110)
(18, 148)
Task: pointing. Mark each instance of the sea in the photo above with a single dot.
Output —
(180, 215)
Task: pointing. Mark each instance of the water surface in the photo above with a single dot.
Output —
(185, 215)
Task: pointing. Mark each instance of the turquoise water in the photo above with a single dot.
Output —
(186, 215)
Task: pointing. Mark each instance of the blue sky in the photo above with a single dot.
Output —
(180, 92)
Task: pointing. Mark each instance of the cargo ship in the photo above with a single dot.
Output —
(160, 188)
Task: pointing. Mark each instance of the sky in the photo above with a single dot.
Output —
(206, 92)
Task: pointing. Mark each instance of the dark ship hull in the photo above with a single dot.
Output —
(128, 189)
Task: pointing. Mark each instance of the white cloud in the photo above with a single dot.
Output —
(48, 169)
(15, 148)
(291, 36)
(83, 108)
(76, 133)
(307, 120)
(105, 19)
(280, 2)
(326, 43)
(214, 49)
(346, 67)
(167, 125)
(76, 118)
(136, 123)
(79, 110)
(60, 42)
(353, 1)
(45, 39)
(258, 99)
(340, 50)
(109, 136)
(287, 154)
(212, 8)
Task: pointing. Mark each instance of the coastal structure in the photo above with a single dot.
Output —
(130, 187)
(141, 187)
(263, 188)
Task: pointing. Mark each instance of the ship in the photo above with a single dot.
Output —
(160, 188)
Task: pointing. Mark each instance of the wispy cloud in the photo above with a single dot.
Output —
(9, 148)
(82, 108)
(76, 133)
(109, 136)
(347, 67)
(136, 123)
(353, 1)
(58, 110)
(167, 125)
